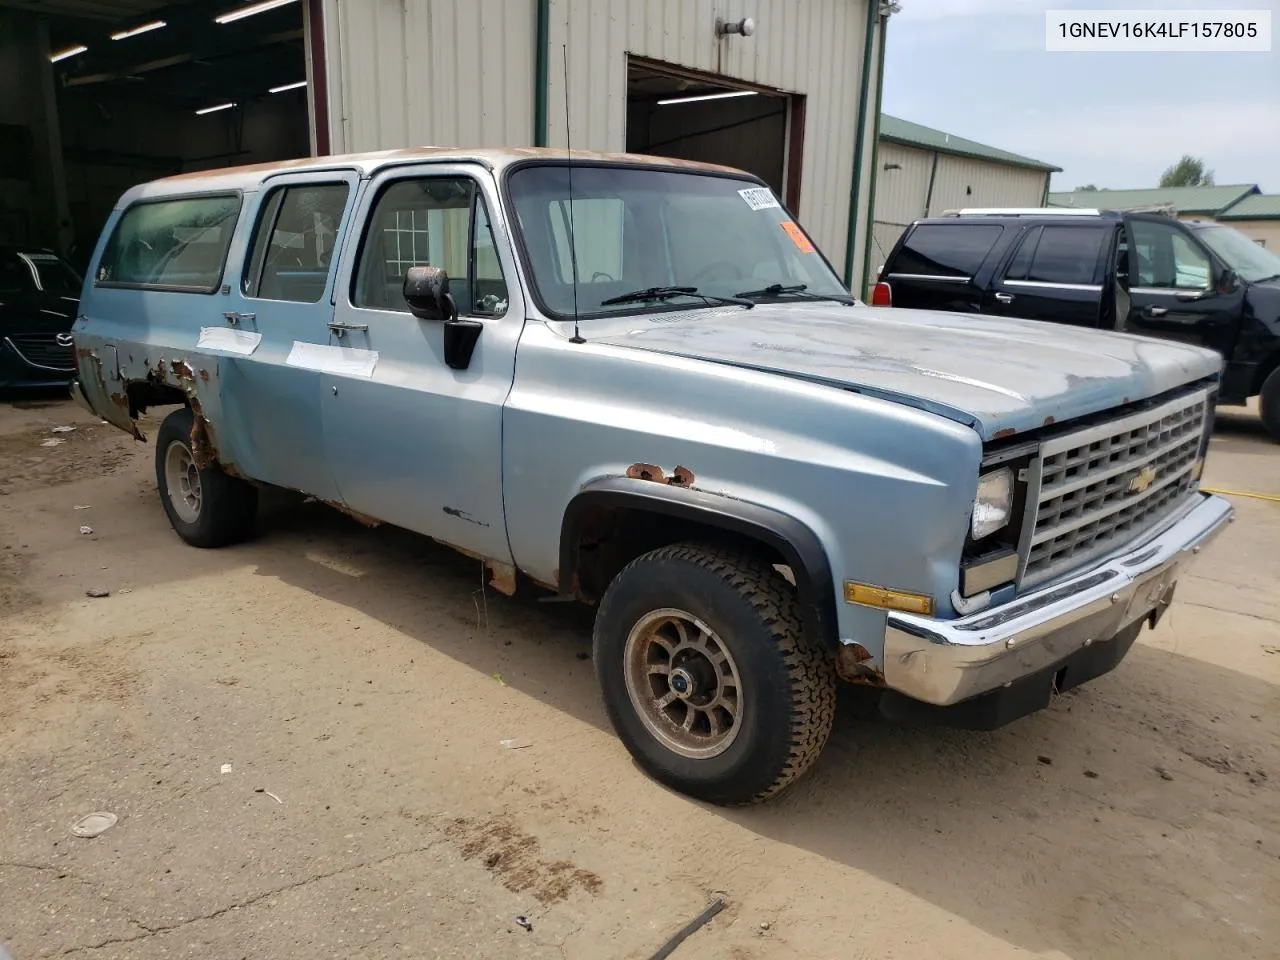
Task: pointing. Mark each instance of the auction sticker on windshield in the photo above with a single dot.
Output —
(759, 198)
(797, 236)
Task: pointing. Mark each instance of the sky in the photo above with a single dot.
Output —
(979, 69)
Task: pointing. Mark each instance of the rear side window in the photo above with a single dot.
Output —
(1058, 254)
(294, 242)
(947, 250)
(176, 244)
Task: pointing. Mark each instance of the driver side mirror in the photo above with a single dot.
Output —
(426, 291)
(1227, 281)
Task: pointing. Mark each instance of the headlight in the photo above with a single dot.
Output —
(993, 506)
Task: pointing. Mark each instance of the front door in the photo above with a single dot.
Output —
(281, 304)
(1056, 273)
(412, 441)
(1172, 288)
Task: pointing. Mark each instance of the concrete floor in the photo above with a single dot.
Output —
(358, 684)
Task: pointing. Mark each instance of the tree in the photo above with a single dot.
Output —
(1188, 172)
(1088, 188)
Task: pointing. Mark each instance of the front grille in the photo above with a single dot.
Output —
(43, 350)
(1104, 486)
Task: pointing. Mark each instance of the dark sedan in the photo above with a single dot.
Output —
(39, 296)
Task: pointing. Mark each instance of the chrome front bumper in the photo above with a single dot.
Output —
(946, 661)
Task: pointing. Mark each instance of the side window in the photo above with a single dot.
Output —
(1163, 257)
(294, 242)
(1020, 266)
(437, 221)
(174, 244)
(1066, 255)
(955, 251)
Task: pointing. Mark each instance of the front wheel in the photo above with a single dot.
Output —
(207, 507)
(708, 677)
(1269, 404)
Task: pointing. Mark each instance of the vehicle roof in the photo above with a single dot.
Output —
(250, 177)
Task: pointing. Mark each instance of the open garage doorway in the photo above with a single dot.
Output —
(674, 112)
(117, 92)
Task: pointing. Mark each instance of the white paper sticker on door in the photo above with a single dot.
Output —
(225, 340)
(759, 198)
(343, 361)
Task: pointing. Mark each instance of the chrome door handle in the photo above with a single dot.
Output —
(235, 319)
(1155, 312)
(1004, 298)
(340, 329)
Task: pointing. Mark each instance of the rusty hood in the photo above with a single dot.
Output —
(997, 375)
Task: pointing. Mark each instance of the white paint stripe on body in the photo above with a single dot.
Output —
(345, 361)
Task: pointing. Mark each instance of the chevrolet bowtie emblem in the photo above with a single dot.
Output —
(1142, 479)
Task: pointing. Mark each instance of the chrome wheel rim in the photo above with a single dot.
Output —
(683, 683)
(182, 481)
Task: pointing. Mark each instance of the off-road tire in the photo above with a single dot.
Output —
(1269, 404)
(228, 507)
(788, 678)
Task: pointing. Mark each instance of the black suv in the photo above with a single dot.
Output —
(1197, 282)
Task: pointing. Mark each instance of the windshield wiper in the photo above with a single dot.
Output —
(666, 293)
(796, 289)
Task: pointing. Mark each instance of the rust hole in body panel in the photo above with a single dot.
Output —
(683, 477)
(1048, 421)
(1001, 434)
(182, 370)
(647, 471)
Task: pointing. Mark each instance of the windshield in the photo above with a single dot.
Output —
(55, 276)
(1251, 261)
(637, 229)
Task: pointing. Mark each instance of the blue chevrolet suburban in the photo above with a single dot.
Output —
(636, 382)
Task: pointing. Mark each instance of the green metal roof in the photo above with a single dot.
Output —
(1260, 206)
(1209, 200)
(926, 138)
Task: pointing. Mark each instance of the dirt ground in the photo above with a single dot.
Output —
(357, 685)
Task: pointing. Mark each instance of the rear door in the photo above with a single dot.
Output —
(1172, 288)
(277, 316)
(936, 265)
(1055, 273)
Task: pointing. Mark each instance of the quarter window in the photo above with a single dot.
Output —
(438, 221)
(294, 243)
(935, 250)
(1163, 257)
(171, 244)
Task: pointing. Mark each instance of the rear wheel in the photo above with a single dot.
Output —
(708, 676)
(206, 507)
(1270, 404)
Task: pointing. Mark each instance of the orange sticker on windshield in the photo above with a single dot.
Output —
(797, 236)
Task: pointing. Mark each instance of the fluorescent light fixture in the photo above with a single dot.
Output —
(288, 86)
(145, 28)
(231, 16)
(709, 96)
(221, 106)
(69, 52)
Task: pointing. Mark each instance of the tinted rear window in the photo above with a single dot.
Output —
(946, 250)
(178, 244)
(1059, 254)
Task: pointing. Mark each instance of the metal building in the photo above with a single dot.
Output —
(921, 172)
(96, 95)
(785, 88)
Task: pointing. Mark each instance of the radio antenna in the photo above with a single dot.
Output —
(573, 249)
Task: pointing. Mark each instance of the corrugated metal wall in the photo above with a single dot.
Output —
(812, 47)
(416, 72)
(901, 193)
(462, 72)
